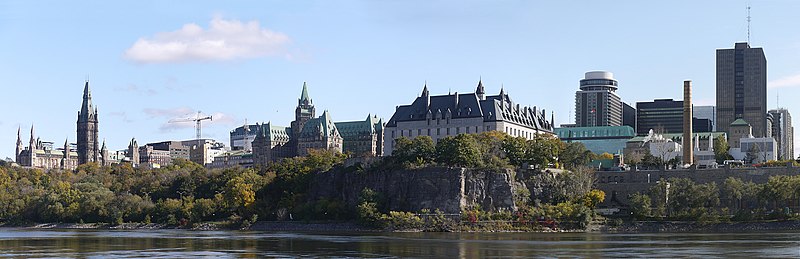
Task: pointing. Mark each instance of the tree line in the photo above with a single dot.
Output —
(734, 199)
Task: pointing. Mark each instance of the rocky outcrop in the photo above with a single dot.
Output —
(448, 189)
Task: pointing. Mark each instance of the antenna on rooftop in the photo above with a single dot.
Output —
(748, 22)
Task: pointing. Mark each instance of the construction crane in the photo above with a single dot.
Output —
(197, 119)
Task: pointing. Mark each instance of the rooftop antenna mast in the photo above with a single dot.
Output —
(748, 22)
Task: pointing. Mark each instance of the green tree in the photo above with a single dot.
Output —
(733, 190)
(461, 150)
(545, 150)
(517, 149)
(721, 149)
(575, 154)
(640, 205)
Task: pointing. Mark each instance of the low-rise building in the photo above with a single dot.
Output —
(440, 116)
(604, 139)
(232, 159)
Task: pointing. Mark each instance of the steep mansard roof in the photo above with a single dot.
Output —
(493, 108)
(319, 126)
(356, 128)
(273, 133)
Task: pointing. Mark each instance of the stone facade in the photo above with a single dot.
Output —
(88, 145)
(307, 132)
(42, 154)
(362, 138)
(449, 115)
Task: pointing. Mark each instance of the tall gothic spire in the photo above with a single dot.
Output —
(32, 140)
(425, 89)
(304, 99)
(87, 141)
(86, 106)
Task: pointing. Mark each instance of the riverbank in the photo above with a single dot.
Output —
(285, 226)
(689, 227)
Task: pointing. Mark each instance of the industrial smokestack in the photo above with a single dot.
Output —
(688, 148)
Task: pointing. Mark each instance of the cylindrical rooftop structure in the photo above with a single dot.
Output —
(599, 80)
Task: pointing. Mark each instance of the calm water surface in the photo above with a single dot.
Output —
(27, 243)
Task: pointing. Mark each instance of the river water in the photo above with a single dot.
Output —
(32, 243)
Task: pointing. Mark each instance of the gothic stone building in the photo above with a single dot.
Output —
(360, 138)
(441, 116)
(40, 154)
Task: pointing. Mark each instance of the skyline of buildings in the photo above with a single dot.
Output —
(596, 103)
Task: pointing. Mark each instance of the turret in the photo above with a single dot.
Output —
(426, 96)
(20, 147)
(66, 148)
(480, 91)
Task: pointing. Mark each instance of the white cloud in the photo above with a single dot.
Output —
(789, 81)
(223, 40)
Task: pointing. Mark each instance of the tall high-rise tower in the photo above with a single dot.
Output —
(783, 132)
(304, 112)
(742, 88)
(87, 130)
(597, 103)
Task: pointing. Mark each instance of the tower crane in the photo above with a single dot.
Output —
(197, 119)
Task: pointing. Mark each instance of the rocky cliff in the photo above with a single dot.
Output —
(448, 189)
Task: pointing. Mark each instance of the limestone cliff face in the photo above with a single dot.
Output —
(447, 189)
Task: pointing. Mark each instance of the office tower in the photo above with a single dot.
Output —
(597, 104)
(708, 112)
(742, 88)
(629, 116)
(783, 132)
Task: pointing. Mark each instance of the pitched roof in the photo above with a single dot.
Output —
(740, 122)
(272, 132)
(319, 126)
(493, 108)
(358, 128)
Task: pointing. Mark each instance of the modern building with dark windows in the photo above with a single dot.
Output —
(629, 116)
(666, 115)
(706, 112)
(597, 103)
(742, 87)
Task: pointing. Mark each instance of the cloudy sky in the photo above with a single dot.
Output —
(149, 62)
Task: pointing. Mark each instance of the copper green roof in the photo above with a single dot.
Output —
(358, 128)
(320, 126)
(739, 122)
(274, 132)
(304, 94)
(595, 132)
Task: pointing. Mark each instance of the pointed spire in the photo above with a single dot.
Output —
(19, 137)
(32, 138)
(425, 89)
(304, 95)
(104, 145)
(480, 91)
(86, 106)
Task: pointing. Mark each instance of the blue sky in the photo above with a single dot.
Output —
(152, 61)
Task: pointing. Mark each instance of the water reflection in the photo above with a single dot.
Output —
(241, 244)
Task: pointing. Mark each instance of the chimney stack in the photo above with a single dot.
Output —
(688, 149)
